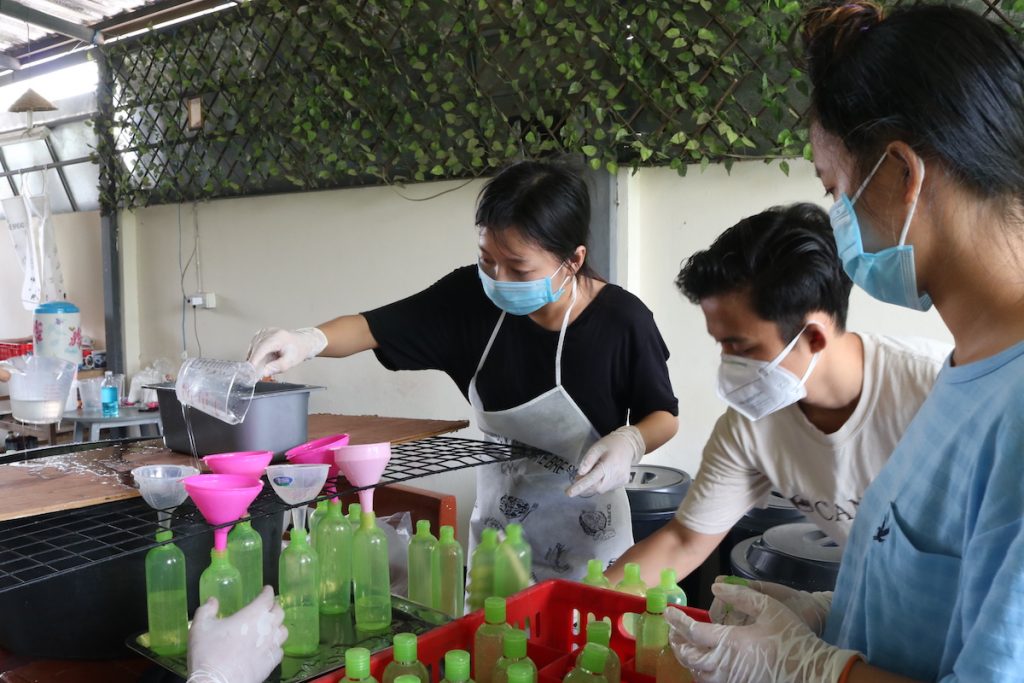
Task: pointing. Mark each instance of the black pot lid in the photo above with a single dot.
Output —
(798, 555)
(656, 489)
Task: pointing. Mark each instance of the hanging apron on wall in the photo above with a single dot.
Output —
(31, 227)
(563, 532)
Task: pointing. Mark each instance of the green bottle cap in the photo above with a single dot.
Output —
(357, 662)
(736, 581)
(405, 647)
(494, 610)
(668, 580)
(632, 572)
(335, 509)
(456, 666)
(447, 534)
(657, 600)
(164, 535)
(355, 510)
(489, 537)
(367, 521)
(423, 528)
(595, 569)
(321, 505)
(599, 632)
(594, 657)
(514, 644)
(520, 672)
(514, 533)
(408, 678)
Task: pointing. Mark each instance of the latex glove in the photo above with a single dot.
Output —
(274, 350)
(811, 608)
(777, 647)
(607, 463)
(242, 648)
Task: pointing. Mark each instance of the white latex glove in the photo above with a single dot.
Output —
(242, 648)
(811, 608)
(777, 647)
(606, 465)
(274, 350)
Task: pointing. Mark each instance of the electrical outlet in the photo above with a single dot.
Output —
(202, 300)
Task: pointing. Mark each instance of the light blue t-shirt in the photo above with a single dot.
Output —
(932, 580)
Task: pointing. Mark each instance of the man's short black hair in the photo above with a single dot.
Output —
(786, 259)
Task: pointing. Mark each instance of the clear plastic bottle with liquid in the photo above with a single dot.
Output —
(167, 598)
(456, 667)
(333, 543)
(670, 670)
(222, 581)
(488, 643)
(357, 666)
(481, 569)
(590, 666)
(245, 551)
(513, 562)
(600, 632)
(299, 582)
(355, 511)
(631, 581)
(513, 651)
(651, 633)
(424, 574)
(595, 575)
(318, 513)
(371, 576)
(109, 400)
(405, 661)
(452, 574)
(670, 585)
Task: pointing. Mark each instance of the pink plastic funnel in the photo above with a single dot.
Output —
(318, 452)
(222, 498)
(245, 463)
(362, 465)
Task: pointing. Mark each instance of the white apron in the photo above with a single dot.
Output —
(563, 532)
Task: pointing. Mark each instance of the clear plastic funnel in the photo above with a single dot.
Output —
(220, 388)
(297, 484)
(318, 452)
(362, 465)
(245, 463)
(39, 387)
(222, 498)
(161, 487)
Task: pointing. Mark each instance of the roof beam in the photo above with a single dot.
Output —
(9, 62)
(21, 12)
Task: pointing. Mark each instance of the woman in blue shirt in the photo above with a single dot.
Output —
(918, 134)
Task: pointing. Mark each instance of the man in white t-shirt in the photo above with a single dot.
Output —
(815, 411)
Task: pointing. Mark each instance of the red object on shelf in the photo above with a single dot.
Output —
(554, 614)
(12, 348)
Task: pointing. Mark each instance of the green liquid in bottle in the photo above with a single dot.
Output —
(371, 575)
(245, 550)
(299, 584)
(406, 662)
(651, 633)
(222, 581)
(481, 569)
(451, 576)
(334, 548)
(166, 598)
(423, 569)
(512, 563)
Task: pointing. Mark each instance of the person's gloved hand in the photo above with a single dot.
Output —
(607, 463)
(776, 647)
(811, 608)
(242, 648)
(274, 350)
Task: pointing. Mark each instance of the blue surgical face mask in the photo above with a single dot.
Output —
(888, 274)
(522, 298)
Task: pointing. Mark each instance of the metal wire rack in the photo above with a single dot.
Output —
(40, 548)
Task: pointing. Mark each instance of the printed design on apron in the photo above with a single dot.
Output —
(554, 557)
(597, 523)
(516, 509)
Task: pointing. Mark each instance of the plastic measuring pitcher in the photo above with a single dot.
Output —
(296, 484)
(363, 465)
(221, 388)
(162, 488)
(39, 387)
(245, 463)
(222, 498)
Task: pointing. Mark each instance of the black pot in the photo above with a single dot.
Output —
(654, 494)
(797, 555)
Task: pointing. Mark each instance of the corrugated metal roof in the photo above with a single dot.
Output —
(16, 33)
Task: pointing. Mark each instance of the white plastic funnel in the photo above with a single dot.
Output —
(161, 487)
(362, 465)
(296, 484)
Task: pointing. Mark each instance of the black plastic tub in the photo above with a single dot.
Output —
(277, 420)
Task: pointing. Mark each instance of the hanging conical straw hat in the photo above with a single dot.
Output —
(32, 101)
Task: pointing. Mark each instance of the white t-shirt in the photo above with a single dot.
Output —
(823, 475)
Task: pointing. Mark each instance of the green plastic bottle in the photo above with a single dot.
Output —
(355, 511)
(357, 666)
(299, 582)
(512, 563)
(481, 569)
(595, 575)
(456, 666)
(405, 662)
(513, 651)
(423, 570)
(451, 574)
(631, 580)
(371, 575)
(488, 643)
(245, 550)
(600, 632)
(590, 667)
(670, 585)
(651, 633)
(315, 518)
(670, 670)
(222, 581)
(522, 672)
(167, 598)
(333, 543)
(408, 678)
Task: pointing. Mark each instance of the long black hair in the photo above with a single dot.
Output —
(942, 79)
(548, 203)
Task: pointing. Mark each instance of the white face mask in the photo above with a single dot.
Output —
(756, 388)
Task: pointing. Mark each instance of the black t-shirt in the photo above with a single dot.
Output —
(613, 359)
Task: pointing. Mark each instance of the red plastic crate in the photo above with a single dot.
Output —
(554, 614)
(13, 348)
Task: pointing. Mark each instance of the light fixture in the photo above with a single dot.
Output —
(29, 103)
(194, 105)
